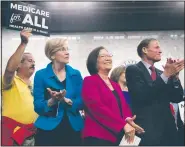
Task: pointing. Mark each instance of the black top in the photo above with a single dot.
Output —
(64, 83)
(118, 100)
(53, 112)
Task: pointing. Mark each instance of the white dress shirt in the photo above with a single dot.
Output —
(147, 65)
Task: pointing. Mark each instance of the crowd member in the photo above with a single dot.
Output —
(18, 113)
(106, 112)
(118, 76)
(151, 92)
(57, 98)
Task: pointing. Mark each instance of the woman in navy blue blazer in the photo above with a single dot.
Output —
(57, 98)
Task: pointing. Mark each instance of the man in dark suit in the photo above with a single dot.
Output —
(151, 92)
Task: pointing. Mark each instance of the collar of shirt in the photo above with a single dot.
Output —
(17, 77)
(147, 66)
(69, 71)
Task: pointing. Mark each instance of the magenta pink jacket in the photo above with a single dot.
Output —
(102, 104)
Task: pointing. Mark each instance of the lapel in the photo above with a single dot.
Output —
(147, 75)
(69, 81)
(113, 85)
(143, 69)
(158, 72)
(68, 85)
(121, 97)
(110, 93)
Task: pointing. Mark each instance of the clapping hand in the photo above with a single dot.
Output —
(173, 67)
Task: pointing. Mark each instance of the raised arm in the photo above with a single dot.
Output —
(15, 59)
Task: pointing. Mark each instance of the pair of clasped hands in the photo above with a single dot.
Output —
(58, 97)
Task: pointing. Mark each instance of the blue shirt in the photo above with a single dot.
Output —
(127, 97)
(46, 78)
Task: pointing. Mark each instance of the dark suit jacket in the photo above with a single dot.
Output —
(150, 102)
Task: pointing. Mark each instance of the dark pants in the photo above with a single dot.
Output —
(181, 132)
(62, 135)
(181, 141)
(92, 141)
(168, 137)
(169, 140)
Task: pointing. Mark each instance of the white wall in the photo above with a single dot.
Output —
(122, 45)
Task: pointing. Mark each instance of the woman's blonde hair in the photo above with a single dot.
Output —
(116, 73)
(53, 45)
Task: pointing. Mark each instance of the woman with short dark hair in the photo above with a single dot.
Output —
(107, 114)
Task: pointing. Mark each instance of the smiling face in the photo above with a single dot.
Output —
(104, 61)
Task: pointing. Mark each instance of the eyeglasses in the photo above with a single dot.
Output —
(105, 55)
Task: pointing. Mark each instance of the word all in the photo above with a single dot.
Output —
(29, 20)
